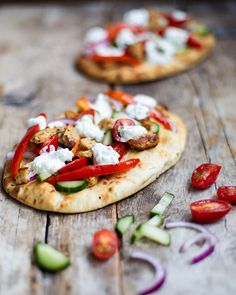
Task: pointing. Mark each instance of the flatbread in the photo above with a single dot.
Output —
(153, 162)
(126, 74)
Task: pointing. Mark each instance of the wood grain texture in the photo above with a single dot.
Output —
(37, 48)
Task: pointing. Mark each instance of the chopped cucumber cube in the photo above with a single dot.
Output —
(155, 234)
(43, 176)
(124, 223)
(162, 205)
(108, 138)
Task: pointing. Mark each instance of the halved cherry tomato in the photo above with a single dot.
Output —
(42, 114)
(83, 103)
(46, 145)
(121, 96)
(88, 112)
(114, 30)
(119, 123)
(173, 22)
(123, 59)
(194, 43)
(209, 210)
(95, 170)
(205, 175)
(227, 193)
(74, 165)
(120, 148)
(105, 244)
(155, 114)
(21, 148)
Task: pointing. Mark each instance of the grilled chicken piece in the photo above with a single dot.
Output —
(137, 50)
(87, 153)
(41, 136)
(69, 137)
(86, 144)
(144, 142)
(106, 124)
(71, 114)
(92, 181)
(156, 20)
(22, 176)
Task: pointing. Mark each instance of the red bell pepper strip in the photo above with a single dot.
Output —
(120, 148)
(120, 96)
(114, 30)
(21, 148)
(119, 123)
(173, 22)
(194, 43)
(94, 170)
(74, 165)
(88, 112)
(46, 145)
(123, 58)
(161, 119)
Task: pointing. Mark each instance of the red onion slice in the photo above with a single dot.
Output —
(186, 224)
(27, 155)
(160, 273)
(204, 251)
(201, 237)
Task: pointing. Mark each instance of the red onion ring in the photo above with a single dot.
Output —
(205, 251)
(186, 224)
(160, 273)
(27, 155)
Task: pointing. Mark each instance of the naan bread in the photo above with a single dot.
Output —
(153, 162)
(126, 74)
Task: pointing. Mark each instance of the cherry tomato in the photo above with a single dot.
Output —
(119, 123)
(205, 175)
(105, 244)
(120, 148)
(227, 193)
(205, 211)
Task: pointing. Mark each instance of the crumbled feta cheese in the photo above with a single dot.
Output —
(104, 154)
(145, 100)
(125, 38)
(155, 55)
(56, 124)
(102, 106)
(87, 128)
(138, 17)
(40, 120)
(179, 15)
(95, 34)
(137, 111)
(166, 47)
(104, 50)
(176, 36)
(131, 132)
(50, 162)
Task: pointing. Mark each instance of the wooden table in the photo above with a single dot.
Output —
(37, 47)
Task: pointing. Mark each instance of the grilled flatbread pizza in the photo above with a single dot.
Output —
(107, 149)
(147, 45)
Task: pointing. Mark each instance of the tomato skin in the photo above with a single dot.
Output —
(209, 210)
(120, 148)
(205, 175)
(105, 244)
(119, 123)
(227, 193)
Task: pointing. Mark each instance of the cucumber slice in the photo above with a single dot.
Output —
(120, 115)
(124, 223)
(48, 258)
(71, 186)
(155, 128)
(155, 234)
(108, 138)
(137, 235)
(164, 202)
(156, 220)
(43, 176)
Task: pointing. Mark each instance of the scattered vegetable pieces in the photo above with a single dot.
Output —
(205, 175)
(124, 223)
(83, 104)
(163, 204)
(49, 259)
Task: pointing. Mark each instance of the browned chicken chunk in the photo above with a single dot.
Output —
(71, 114)
(22, 176)
(69, 137)
(137, 50)
(43, 135)
(92, 181)
(156, 20)
(86, 144)
(144, 142)
(107, 124)
(87, 154)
